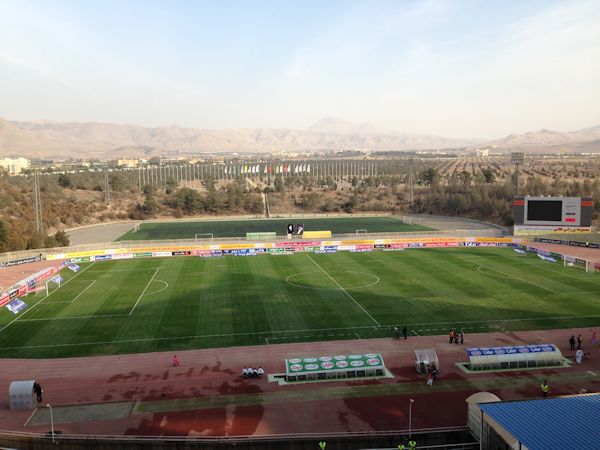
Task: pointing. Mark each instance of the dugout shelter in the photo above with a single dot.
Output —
(514, 357)
(425, 359)
(334, 367)
(21, 395)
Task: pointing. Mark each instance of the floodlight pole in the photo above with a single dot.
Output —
(51, 420)
(410, 418)
(517, 158)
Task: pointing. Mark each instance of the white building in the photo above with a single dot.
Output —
(14, 166)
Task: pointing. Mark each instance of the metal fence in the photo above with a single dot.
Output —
(13, 256)
(449, 438)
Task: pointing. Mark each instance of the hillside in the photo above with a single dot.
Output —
(103, 140)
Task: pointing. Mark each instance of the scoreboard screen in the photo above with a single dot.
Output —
(547, 211)
(556, 213)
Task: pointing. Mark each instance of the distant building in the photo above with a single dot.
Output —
(125, 163)
(482, 152)
(14, 166)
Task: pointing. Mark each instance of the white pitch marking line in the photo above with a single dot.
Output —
(98, 316)
(591, 373)
(160, 290)
(516, 278)
(27, 310)
(312, 330)
(344, 291)
(79, 295)
(143, 292)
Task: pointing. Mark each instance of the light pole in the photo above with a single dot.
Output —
(51, 421)
(410, 418)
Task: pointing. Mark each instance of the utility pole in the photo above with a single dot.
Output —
(39, 226)
(106, 188)
(411, 192)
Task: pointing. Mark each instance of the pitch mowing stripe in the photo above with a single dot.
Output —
(344, 291)
(313, 330)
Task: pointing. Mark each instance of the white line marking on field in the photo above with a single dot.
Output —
(30, 417)
(160, 290)
(310, 330)
(344, 291)
(516, 278)
(143, 292)
(79, 295)
(120, 270)
(33, 306)
(97, 316)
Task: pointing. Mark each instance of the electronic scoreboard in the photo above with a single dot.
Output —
(538, 215)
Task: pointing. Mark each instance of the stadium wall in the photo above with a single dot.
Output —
(281, 247)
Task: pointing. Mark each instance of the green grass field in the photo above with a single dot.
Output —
(239, 228)
(184, 302)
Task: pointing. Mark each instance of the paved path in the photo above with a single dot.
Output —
(111, 231)
(206, 395)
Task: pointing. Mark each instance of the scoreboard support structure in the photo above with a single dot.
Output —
(548, 215)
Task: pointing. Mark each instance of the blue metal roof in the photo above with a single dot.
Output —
(552, 423)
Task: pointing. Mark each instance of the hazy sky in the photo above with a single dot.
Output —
(453, 68)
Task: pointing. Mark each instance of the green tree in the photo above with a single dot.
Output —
(64, 180)
(4, 238)
(171, 186)
(279, 185)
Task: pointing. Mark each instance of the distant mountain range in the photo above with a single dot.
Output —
(110, 141)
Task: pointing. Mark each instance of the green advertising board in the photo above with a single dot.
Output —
(142, 255)
(305, 366)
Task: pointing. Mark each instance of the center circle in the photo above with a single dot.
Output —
(313, 278)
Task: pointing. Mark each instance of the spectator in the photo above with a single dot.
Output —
(430, 379)
(462, 337)
(578, 356)
(175, 361)
(594, 338)
(38, 391)
(579, 341)
(572, 342)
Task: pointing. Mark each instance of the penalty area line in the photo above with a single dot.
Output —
(41, 300)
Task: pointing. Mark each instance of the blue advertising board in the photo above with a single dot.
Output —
(510, 350)
(16, 305)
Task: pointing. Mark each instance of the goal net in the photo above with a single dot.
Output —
(583, 264)
(53, 284)
(199, 236)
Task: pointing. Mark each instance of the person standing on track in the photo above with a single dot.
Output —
(38, 391)
(572, 342)
(544, 387)
(405, 332)
(579, 341)
(175, 361)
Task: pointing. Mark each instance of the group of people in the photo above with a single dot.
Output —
(432, 372)
(249, 372)
(397, 332)
(580, 355)
(456, 337)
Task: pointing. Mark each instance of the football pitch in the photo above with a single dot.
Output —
(237, 228)
(177, 303)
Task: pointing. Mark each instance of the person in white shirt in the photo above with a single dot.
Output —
(245, 372)
(261, 372)
(578, 356)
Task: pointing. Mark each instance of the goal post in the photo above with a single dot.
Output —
(407, 220)
(58, 282)
(198, 236)
(361, 231)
